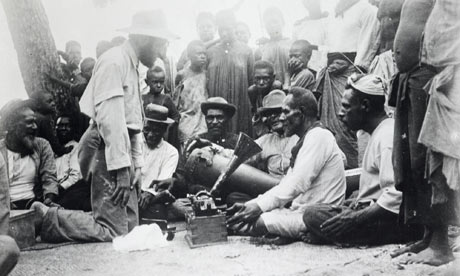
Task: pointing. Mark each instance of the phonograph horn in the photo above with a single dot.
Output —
(245, 148)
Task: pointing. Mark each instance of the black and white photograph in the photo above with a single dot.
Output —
(230, 137)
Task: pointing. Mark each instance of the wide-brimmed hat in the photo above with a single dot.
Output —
(150, 23)
(272, 102)
(157, 113)
(218, 103)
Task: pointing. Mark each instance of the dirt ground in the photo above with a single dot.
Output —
(239, 256)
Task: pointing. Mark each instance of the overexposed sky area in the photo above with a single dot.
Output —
(89, 21)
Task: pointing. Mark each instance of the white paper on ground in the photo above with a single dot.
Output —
(142, 237)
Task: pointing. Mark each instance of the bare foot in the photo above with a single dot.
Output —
(410, 248)
(40, 212)
(437, 253)
(431, 256)
(414, 247)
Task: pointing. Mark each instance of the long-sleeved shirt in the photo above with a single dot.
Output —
(317, 176)
(357, 29)
(376, 183)
(68, 169)
(160, 163)
(45, 166)
(112, 100)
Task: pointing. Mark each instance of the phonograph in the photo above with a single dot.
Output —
(206, 223)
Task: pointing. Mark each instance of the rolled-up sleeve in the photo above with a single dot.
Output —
(310, 160)
(390, 199)
(136, 150)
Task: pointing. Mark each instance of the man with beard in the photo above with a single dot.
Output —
(160, 158)
(316, 175)
(330, 85)
(372, 217)
(264, 82)
(111, 149)
(275, 156)
(44, 106)
(74, 192)
(29, 160)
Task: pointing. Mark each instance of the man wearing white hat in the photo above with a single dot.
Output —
(111, 149)
(372, 218)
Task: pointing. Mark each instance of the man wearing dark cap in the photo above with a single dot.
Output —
(372, 217)
(111, 149)
(330, 84)
(160, 157)
(316, 175)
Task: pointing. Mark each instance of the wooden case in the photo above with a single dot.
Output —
(22, 227)
(205, 230)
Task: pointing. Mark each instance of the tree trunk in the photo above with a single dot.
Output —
(35, 47)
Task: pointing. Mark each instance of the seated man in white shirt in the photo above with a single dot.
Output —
(160, 161)
(317, 175)
(74, 192)
(371, 218)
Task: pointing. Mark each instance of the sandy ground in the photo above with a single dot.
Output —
(239, 256)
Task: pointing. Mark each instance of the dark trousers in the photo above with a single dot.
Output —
(382, 231)
(107, 220)
(76, 197)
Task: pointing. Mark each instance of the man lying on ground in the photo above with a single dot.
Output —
(316, 175)
(371, 218)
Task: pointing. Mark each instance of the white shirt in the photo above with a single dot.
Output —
(160, 163)
(67, 167)
(318, 175)
(21, 172)
(356, 30)
(376, 183)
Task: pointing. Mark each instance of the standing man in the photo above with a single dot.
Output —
(111, 156)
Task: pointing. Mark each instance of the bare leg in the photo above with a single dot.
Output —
(415, 247)
(438, 251)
